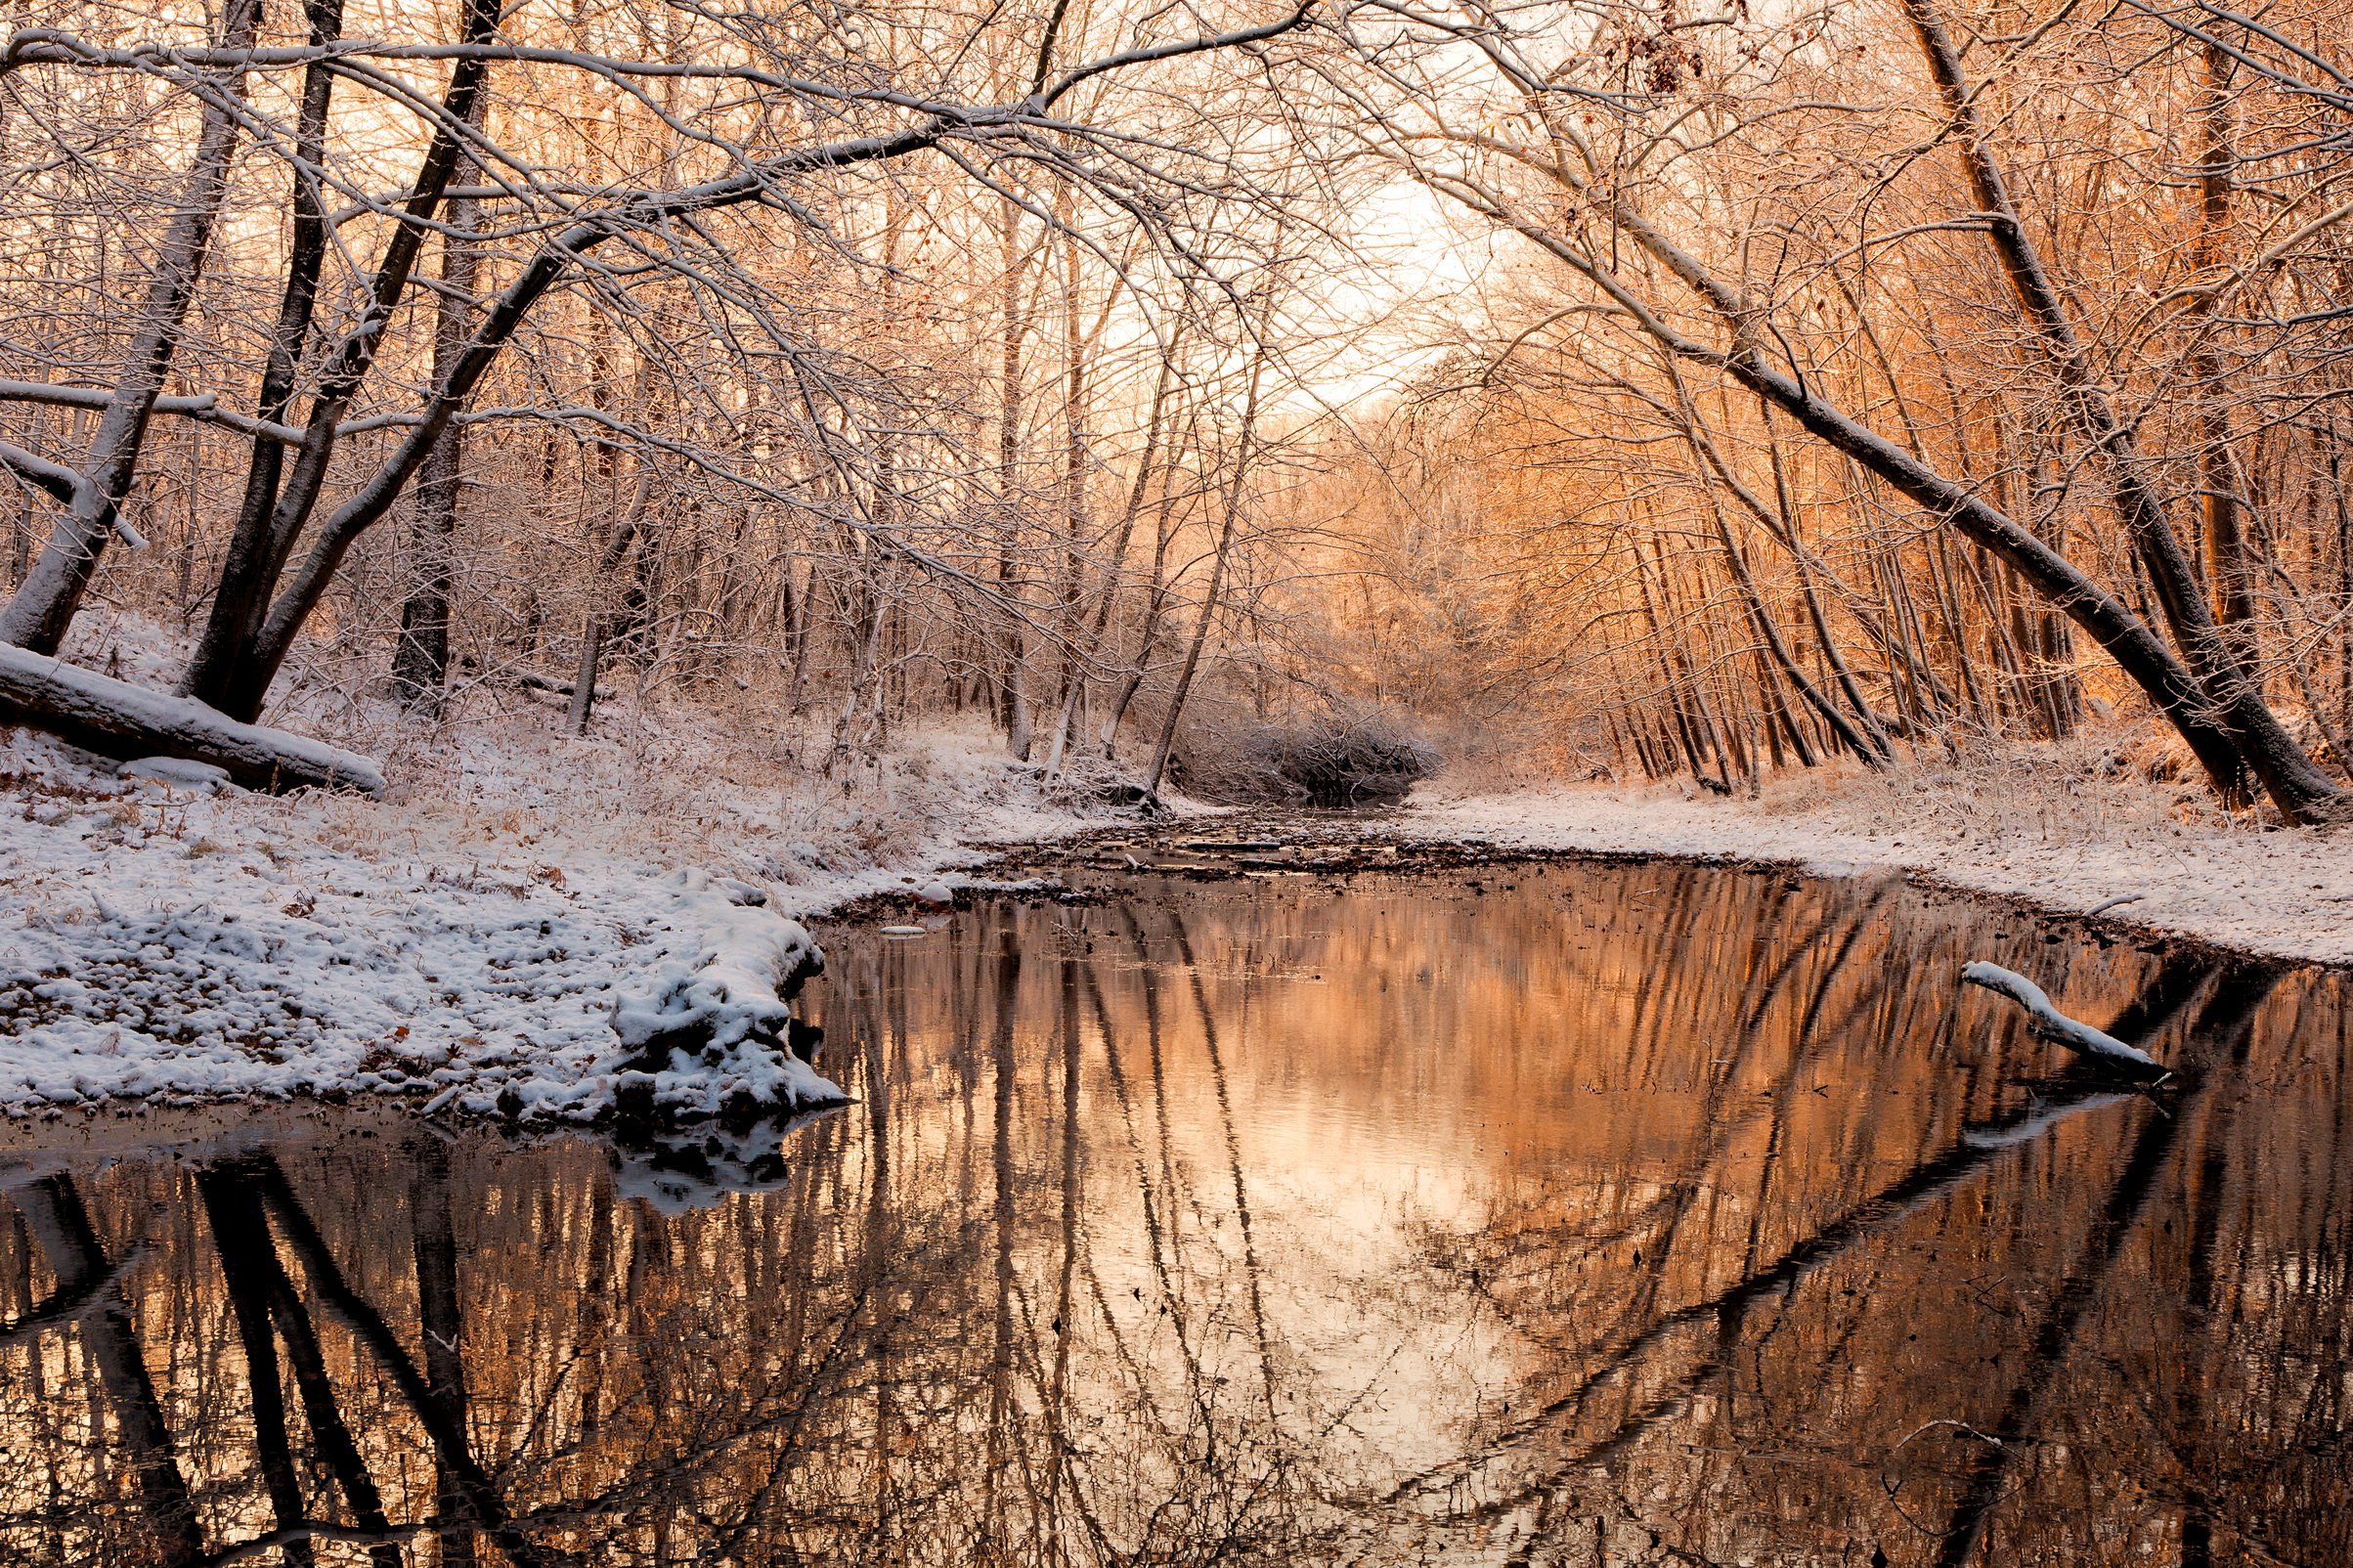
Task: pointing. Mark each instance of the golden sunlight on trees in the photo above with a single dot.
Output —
(1878, 376)
(1700, 394)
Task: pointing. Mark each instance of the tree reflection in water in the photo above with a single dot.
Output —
(1574, 1214)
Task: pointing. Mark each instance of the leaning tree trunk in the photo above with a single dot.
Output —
(1867, 741)
(240, 591)
(2259, 740)
(1106, 594)
(51, 594)
(1148, 634)
(2173, 688)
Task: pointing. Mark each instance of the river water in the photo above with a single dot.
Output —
(1535, 1215)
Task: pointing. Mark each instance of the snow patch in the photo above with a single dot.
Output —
(712, 1030)
(2029, 826)
(471, 939)
(185, 773)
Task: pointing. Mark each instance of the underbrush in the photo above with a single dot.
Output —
(713, 775)
(2111, 778)
(1339, 758)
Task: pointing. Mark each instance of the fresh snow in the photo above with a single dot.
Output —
(2019, 825)
(180, 770)
(473, 936)
(730, 993)
(89, 697)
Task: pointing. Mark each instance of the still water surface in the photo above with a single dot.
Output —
(1571, 1214)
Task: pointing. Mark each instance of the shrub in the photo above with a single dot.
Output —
(1348, 757)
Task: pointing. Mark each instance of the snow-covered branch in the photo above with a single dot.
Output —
(2047, 1022)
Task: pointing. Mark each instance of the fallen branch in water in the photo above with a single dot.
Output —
(2047, 1022)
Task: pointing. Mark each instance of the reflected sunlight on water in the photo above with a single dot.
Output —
(1542, 1214)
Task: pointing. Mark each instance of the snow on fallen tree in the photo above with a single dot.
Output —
(133, 724)
(2047, 1022)
(710, 1035)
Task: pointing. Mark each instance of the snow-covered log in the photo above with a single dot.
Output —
(118, 719)
(2047, 1022)
(711, 1034)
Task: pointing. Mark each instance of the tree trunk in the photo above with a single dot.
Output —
(2230, 576)
(1019, 738)
(45, 603)
(2250, 734)
(115, 718)
(1870, 745)
(1217, 564)
(597, 625)
(420, 659)
(2172, 687)
(240, 596)
(235, 664)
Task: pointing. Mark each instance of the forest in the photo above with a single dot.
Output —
(1084, 783)
(1633, 393)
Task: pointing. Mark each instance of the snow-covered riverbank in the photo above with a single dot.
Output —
(464, 938)
(2025, 825)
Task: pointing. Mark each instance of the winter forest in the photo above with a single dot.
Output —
(1074, 782)
(1637, 393)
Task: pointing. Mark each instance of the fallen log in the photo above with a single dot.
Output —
(128, 723)
(532, 680)
(2047, 1022)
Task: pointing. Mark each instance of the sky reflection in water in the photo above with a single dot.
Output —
(1569, 1214)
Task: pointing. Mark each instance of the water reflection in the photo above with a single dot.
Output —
(1569, 1215)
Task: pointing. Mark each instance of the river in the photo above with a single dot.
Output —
(1526, 1213)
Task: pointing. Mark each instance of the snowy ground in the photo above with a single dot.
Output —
(2051, 828)
(464, 938)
